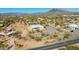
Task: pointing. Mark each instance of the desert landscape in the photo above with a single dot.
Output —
(23, 31)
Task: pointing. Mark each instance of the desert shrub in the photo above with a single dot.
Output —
(59, 30)
(55, 35)
(72, 47)
(38, 38)
(31, 36)
(19, 45)
(66, 36)
(3, 45)
(31, 32)
(24, 38)
(17, 35)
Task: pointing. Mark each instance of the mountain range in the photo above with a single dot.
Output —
(54, 11)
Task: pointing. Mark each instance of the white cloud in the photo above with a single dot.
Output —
(38, 3)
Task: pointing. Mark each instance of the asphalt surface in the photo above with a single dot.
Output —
(56, 45)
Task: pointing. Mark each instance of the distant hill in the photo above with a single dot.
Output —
(61, 12)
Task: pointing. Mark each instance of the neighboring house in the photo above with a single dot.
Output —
(2, 34)
(7, 32)
(73, 27)
(10, 33)
(50, 30)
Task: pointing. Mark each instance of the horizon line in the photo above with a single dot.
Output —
(34, 10)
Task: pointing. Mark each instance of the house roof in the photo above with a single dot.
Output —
(36, 26)
(50, 29)
(73, 25)
(2, 33)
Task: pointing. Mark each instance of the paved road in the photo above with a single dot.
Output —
(57, 45)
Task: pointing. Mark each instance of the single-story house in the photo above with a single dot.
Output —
(73, 27)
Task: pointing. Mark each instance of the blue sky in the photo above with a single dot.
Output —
(24, 10)
(32, 10)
